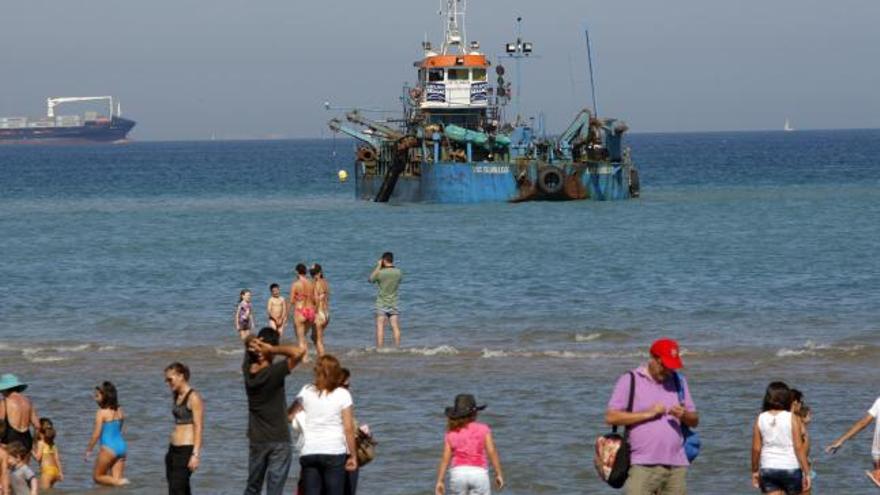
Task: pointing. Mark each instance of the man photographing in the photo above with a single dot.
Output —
(387, 277)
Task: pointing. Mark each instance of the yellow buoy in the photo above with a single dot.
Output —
(343, 175)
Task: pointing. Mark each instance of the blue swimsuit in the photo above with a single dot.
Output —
(111, 437)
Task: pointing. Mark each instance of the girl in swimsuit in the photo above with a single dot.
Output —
(244, 317)
(110, 463)
(322, 306)
(185, 444)
(47, 455)
(302, 299)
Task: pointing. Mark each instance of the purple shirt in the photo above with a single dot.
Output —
(658, 441)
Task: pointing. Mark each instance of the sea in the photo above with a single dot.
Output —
(757, 251)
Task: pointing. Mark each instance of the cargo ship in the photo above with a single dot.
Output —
(454, 144)
(88, 128)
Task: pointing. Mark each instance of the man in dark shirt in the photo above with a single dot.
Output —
(270, 452)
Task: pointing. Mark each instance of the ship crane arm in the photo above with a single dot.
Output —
(336, 125)
(356, 118)
(51, 103)
(577, 129)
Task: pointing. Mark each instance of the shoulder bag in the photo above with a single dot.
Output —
(612, 449)
(691, 437)
(366, 447)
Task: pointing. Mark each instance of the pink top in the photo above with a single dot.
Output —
(468, 445)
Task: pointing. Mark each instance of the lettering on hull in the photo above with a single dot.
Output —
(491, 169)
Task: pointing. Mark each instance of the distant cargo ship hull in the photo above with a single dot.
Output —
(97, 131)
(89, 128)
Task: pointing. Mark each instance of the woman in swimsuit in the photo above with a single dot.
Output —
(17, 414)
(185, 446)
(302, 294)
(322, 306)
(110, 463)
(47, 455)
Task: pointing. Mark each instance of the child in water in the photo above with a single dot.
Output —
(108, 433)
(46, 453)
(803, 411)
(22, 481)
(244, 317)
(467, 444)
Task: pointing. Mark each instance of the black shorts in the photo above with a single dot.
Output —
(789, 481)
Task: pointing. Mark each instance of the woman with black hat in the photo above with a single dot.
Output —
(466, 446)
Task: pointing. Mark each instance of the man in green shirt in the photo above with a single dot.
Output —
(387, 277)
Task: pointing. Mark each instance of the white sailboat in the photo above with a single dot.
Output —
(787, 127)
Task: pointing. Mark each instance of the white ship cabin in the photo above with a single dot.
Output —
(452, 81)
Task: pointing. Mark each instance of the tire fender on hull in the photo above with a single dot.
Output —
(365, 154)
(551, 180)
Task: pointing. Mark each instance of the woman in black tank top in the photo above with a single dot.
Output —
(185, 446)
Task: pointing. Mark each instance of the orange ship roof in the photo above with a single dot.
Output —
(455, 61)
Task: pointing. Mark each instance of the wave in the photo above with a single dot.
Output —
(51, 354)
(59, 349)
(73, 348)
(811, 348)
(443, 350)
(238, 351)
(557, 354)
(579, 337)
(45, 359)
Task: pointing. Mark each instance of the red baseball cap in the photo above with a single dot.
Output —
(667, 351)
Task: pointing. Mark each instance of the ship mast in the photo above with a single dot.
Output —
(453, 24)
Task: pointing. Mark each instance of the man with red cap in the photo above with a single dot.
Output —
(658, 460)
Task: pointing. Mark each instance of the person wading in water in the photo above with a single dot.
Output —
(17, 414)
(302, 293)
(185, 445)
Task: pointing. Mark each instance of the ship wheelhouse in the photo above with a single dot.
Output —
(453, 89)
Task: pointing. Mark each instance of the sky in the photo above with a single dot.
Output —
(236, 69)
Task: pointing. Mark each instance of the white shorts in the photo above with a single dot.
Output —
(469, 480)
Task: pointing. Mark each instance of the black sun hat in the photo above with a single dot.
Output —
(465, 405)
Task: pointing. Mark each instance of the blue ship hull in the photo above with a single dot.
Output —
(457, 182)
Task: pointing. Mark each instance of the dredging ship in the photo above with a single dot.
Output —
(88, 128)
(454, 145)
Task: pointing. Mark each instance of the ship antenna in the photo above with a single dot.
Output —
(518, 51)
(454, 25)
(592, 79)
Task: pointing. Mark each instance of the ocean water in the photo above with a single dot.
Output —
(758, 251)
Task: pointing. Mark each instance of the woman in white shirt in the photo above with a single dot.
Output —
(779, 457)
(329, 448)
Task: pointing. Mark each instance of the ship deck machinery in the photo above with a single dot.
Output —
(453, 145)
